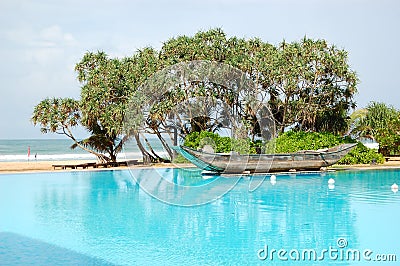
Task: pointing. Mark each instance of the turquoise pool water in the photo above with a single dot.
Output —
(105, 218)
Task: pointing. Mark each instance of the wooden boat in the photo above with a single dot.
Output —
(264, 163)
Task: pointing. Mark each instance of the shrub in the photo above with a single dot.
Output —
(362, 155)
(287, 142)
(294, 141)
(220, 144)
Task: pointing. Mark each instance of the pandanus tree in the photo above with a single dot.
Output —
(60, 116)
(211, 46)
(307, 83)
(138, 68)
(103, 94)
(313, 86)
(99, 111)
(106, 88)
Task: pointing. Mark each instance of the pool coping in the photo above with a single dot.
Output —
(46, 167)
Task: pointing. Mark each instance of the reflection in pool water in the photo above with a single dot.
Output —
(105, 216)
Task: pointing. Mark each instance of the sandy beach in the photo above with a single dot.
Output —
(32, 166)
(47, 166)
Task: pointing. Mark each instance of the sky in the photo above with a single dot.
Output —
(42, 40)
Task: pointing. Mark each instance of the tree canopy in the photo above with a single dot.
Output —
(381, 122)
(308, 84)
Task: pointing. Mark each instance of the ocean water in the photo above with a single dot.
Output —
(106, 218)
(59, 149)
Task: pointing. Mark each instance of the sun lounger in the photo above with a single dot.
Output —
(86, 165)
(64, 166)
(94, 165)
(73, 166)
(392, 158)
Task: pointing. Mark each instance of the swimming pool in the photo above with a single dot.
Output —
(105, 218)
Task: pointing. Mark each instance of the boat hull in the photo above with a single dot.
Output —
(264, 163)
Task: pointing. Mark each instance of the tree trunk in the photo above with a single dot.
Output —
(101, 157)
(113, 156)
(159, 159)
(118, 148)
(147, 158)
(282, 129)
(164, 143)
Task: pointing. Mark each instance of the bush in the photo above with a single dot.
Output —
(220, 144)
(296, 141)
(286, 143)
(362, 155)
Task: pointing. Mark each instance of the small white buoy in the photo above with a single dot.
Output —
(331, 181)
(272, 179)
(331, 186)
(395, 187)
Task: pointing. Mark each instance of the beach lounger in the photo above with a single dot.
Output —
(94, 165)
(64, 166)
(73, 166)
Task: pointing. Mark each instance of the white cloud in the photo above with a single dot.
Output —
(45, 47)
(56, 35)
(19, 36)
(51, 36)
(44, 55)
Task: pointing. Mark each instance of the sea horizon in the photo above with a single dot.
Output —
(20, 150)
